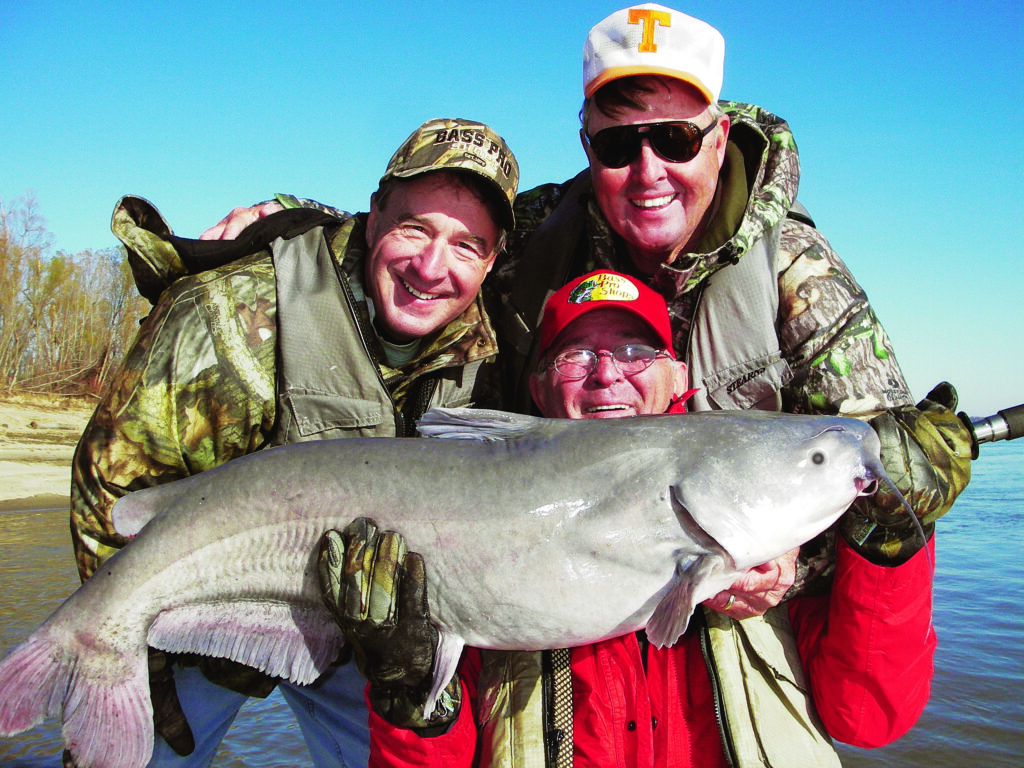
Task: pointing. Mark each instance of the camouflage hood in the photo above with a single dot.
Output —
(763, 154)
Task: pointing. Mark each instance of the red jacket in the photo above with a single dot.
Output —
(867, 649)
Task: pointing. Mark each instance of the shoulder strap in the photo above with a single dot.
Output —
(154, 269)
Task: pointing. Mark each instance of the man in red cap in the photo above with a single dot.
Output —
(605, 352)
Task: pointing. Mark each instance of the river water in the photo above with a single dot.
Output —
(975, 716)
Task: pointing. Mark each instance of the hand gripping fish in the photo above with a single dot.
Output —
(536, 534)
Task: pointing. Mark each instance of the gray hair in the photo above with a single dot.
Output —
(626, 93)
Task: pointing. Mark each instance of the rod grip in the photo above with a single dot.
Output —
(1014, 418)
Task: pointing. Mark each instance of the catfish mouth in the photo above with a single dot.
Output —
(868, 484)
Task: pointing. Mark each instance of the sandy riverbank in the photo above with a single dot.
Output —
(37, 440)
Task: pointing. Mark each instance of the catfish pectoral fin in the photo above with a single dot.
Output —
(446, 660)
(672, 614)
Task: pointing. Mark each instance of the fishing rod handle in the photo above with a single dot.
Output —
(1007, 424)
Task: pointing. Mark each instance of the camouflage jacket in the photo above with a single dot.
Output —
(198, 387)
(839, 358)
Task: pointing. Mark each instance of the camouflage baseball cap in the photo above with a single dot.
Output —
(454, 144)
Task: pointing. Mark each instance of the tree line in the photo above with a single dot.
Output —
(66, 320)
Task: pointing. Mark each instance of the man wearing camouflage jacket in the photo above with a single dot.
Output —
(311, 327)
(765, 314)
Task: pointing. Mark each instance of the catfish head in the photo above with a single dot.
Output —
(784, 480)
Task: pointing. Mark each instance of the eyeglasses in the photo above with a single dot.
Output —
(677, 141)
(630, 359)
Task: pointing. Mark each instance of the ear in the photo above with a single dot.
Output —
(681, 380)
(371, 223)
(537, 390)
(722, 138)
(586, 145)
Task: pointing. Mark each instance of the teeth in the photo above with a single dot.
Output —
(418, 294)
(599, 408)
(653, 202)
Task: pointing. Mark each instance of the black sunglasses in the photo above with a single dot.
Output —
(677, 141)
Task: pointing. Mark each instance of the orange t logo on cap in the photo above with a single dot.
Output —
(649, 18)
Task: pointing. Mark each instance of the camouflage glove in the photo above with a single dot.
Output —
(378, 594)
(926, 451)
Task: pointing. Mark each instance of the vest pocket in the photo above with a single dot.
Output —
(314, 412)
(752, 384)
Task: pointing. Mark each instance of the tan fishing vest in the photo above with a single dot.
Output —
(769, 719)
(328, 383)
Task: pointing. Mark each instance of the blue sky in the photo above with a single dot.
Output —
(906, 114)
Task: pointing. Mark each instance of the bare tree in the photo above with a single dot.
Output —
(65, 320)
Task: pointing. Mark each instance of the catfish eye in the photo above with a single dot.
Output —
(819, 458)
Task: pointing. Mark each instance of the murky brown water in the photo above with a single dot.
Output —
(975, 716)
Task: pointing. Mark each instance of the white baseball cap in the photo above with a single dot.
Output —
(651, 39)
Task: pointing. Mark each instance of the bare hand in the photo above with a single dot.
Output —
(239, 218)
(760, 588)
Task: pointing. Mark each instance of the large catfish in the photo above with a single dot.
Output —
(536, 534)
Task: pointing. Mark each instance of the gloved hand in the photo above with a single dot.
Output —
(377, 592)
(926, 451)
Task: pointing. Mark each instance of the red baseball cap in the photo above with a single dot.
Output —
(604, 289)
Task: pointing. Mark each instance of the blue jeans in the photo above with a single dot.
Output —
(331, 714)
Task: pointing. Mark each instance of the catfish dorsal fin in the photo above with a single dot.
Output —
(130, 514)
(473, 424)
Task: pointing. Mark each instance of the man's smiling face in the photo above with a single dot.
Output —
(430, 245)
(606, 392)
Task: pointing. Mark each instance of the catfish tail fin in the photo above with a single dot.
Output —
(30, 685)
(106, 709)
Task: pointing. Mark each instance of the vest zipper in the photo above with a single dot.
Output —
(716, 688)
(552, 736)
(416, 404)
(364, 336)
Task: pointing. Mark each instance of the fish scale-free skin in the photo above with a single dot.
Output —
(535, 533)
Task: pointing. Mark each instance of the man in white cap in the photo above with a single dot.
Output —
(698, 197)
